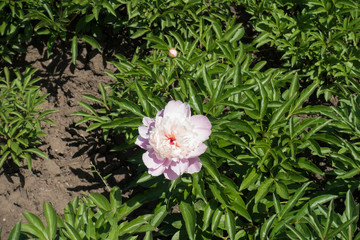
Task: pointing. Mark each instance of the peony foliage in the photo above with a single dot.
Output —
(241, 119)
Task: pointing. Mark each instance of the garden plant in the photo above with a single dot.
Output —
(242, 117)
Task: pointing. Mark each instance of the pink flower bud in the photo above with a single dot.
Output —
(173, 141)
(172, 52)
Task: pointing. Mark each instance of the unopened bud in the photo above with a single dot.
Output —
(172, 52)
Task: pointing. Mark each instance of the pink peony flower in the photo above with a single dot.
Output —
(173, 140)
(173, 53)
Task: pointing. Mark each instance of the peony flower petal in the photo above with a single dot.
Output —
(177, 110)
(160, 114)
(170, 174)
(147, 121)
(202, 126)
(144, 131)
(179, 167)
(142, 142)
(150, 160)
(194, 165)
(156, 171)
(197, 151)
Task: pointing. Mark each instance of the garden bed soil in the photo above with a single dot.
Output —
(71, 150)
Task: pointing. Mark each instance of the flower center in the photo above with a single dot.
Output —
(172, 140)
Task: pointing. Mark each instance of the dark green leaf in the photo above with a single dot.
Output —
(51, 220)
(36, 151)
(100, 201)
(189, 216)
(15, 232)
(74, 49)
(90, 40)
(263, 189)
(230, 223)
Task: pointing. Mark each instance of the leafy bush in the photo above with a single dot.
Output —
(56, 20)
(21, 117)
(279, 151)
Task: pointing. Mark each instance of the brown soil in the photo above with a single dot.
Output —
(70, 148)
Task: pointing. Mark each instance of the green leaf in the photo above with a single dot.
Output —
(305, 94)
(229, 137)
(87, 107)
(241, 126)
(46, 112)
(189, 216)
(207, 81)
(296, 232)
(100, 201)
(130, 106)
(353, 172)
(108, 6)
(224, 154)
(211, 169)
(73, 234)
(36, 151)
(293, 200)
(262, 39)
(294, 87)
(266, 227)
(33, 230)
(28, 160)
(131, 226)
(249, 180)
(15, 232)
(282, 189)
(15, 148)
(3, 158)
(90, 40)
(92, 98)
(342, 227)
(208, 211)
(263, 189)
(140, 32)
(216, 219)
(278, 115)
(230, 223)
(74, 49)
(307, 165)
(51, 220)
(115, 198)
(35, 221)
(144, 100)
(195, 100)
(329, 218)
(264, 100)
(159, 215)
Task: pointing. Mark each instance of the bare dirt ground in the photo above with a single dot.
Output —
(70, 148)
